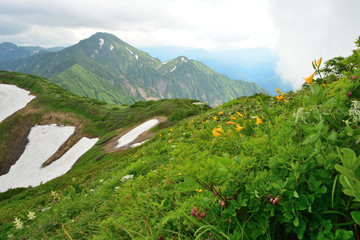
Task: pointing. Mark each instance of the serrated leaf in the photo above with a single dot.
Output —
(356, 216)
(310, 139)
(347, 172)
(332, 136)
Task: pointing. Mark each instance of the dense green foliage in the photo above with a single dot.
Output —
(260, 167)
(105, 68)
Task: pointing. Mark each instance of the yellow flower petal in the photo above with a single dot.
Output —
(277, 90)
(215, 118)
(232, 117)
(309, 79)
(238, 127)
(221, 112)
(230, 123)
(240, 115)
(216, 133)
(258, 120)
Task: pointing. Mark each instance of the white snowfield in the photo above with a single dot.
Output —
(44, 141)
(134, 133)
(12, 99)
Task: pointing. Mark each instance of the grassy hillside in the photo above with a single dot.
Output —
(260, 167)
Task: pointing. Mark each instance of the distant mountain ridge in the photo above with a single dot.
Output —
(251, 64)
(10, 51)
(108, 69)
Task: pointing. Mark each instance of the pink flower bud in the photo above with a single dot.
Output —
(352, 77)
(271, 199)
(203, 215)
(210, 235)
(350, 93)
(222, 204)
(216, 193)
(276, 200)
(192, 212)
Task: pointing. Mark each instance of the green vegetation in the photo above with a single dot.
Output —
(259, 167)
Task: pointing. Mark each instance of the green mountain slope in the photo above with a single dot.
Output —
(129, 74)
(259, 167)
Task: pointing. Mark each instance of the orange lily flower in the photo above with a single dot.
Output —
(258, 120)
(309, 79)
(238, 127)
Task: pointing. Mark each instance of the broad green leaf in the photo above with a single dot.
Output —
(349, 159)
(296, 222)
(332, 136)
(356, 216)
(357, 195)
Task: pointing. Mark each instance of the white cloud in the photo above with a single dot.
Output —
(297, 31)
(309, 30)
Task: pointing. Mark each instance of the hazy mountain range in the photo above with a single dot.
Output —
(108, 69)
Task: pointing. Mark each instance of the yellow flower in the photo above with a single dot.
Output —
(277, 90)
(309, 79)
(217, 132)
(169, 141)
(179, 173)
(160, 135)
(232, 117)
(215, 118)
(240, 115)
(238, 127)
(200, 191)
(136, 155)
(278, 98)
(324, 84)
(258, 120)
(171, 129)
(230, 123)
(197, 190)
(221, 112)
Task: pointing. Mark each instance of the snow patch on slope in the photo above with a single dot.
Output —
(12, 99)
(129, 50)
(134, 133)
(173, 69)
(111, 47)
(101, 42)
(44, 141)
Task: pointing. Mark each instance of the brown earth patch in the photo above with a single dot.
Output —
(110, 146)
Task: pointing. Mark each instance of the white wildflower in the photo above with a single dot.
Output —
(18, 223)
(31, 216)
(354, 111)
(127, 177)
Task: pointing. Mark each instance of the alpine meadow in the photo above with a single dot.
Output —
(222, 159)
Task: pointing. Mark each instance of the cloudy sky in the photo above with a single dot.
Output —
(296, 31)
